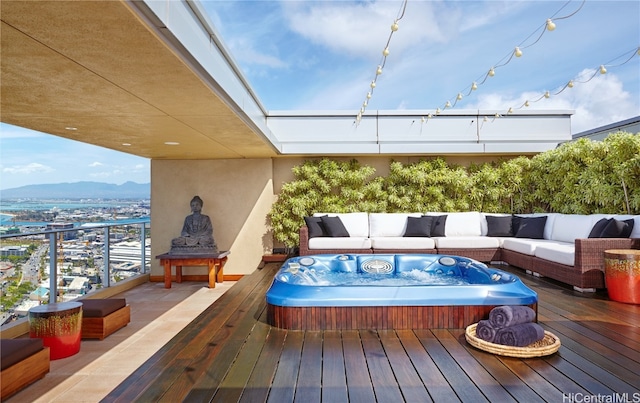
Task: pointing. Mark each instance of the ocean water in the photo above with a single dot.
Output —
(7, 208)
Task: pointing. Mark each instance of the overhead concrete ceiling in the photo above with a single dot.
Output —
(95, 72)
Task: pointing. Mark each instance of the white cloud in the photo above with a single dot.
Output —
(31, 168)
(362, 29)
(96, 164)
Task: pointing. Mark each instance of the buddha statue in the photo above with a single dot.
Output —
(197, 232)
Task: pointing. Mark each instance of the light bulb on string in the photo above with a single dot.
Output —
(510, 110)
(394, 26)
(422, 120)
(447, 105)
(369, 95)
(372, 85)
(550, 25)
(570, 84)
(437, 111)
(474, 86)
(517, 52)
(526, 103)
(491, 72)
(379, 70)
(459, 97)
(385, 52)
(546, 94)
(603, 70)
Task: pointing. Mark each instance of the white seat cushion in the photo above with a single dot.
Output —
(523, 245)
(563, 253)
(340, 243)
(462, 242)
(403, 243)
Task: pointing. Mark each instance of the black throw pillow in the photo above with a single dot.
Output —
(315, 226)
(437, 225)
(618, 229)
(531, 227)
(499, 226)
(598, 227)
(334, 227)
(418, 226)
(515, 224)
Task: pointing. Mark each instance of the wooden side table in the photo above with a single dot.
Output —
(215, 263)
(622, 275)
(59, 326)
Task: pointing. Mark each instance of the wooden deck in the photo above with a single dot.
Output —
(230, 354)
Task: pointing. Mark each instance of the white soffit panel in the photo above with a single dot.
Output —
(526, 128)
(438, 128)
(332, 129)
(330, 148)
(431, 148)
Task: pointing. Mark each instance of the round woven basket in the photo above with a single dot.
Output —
(548, 345)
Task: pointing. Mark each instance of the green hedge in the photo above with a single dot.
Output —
(581, 177)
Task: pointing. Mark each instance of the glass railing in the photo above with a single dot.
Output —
(64, 264)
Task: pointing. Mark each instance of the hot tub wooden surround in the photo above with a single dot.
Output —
(377, 317)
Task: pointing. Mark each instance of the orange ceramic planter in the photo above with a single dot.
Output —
(622, 275)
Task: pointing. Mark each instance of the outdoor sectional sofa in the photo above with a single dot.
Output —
(565, 247)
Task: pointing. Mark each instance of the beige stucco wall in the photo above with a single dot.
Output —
(237, 196)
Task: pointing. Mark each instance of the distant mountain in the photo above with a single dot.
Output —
(80, 190)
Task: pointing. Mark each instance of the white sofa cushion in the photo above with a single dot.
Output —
(569, 227)
(461, 242)
(523, 245)
(403, 243)
(340, 243)
(461, 223)
(357, 224)
(389, 224)
(563, 253)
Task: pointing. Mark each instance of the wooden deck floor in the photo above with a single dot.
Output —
(229, 353)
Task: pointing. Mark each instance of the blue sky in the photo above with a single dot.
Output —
(322, 55)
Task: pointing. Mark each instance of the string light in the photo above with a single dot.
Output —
(380, 68)
(602, 69)
(548, 25)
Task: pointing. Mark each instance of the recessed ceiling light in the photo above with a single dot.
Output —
(172, 143)
(71, 128)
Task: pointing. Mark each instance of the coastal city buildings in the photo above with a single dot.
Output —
(80, 253)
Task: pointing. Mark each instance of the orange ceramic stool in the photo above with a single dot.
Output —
(622, 275)
(59, 326)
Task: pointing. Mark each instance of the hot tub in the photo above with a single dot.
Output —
(403, 291)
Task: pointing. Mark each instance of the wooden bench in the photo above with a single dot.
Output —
(214, 261)
(22, 362)
(102, 317)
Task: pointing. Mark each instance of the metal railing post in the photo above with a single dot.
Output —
(143, 251)
(106, 275)
(53, 268)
